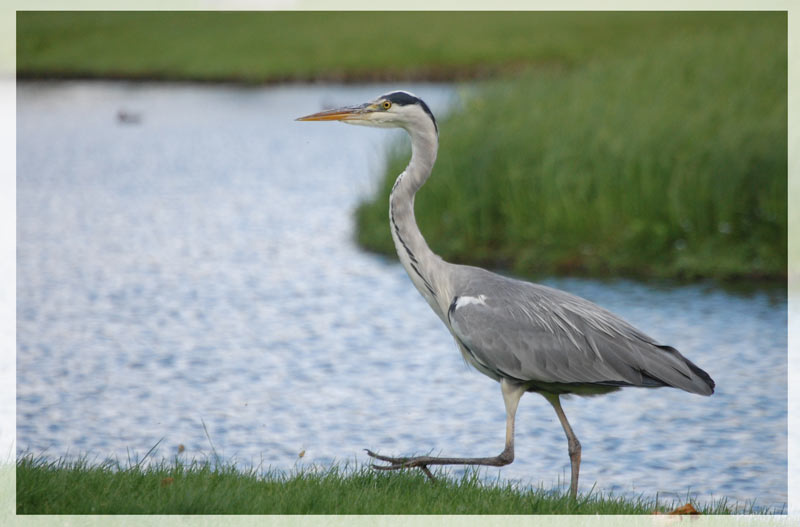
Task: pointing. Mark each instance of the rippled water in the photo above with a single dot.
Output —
(193, 262)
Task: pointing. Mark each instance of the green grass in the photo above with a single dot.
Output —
(275, 46)
(202, 488)
(667, 161)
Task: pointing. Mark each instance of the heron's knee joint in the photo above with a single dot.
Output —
(574, 447)
(506, 456)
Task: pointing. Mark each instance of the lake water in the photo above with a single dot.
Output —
(185, 257)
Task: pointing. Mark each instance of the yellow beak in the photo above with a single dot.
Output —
(340, 114)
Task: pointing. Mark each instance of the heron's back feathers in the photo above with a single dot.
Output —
(533, 333)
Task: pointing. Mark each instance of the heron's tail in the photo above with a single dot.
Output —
(699, 382)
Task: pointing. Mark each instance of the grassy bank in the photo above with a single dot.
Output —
(77, 488)
(668, 161)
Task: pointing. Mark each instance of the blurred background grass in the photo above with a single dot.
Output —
(638, 144)
(271, 46)
(670, 160)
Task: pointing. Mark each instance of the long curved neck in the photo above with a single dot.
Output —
(415, 255)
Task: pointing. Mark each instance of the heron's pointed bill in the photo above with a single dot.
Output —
(340, 114)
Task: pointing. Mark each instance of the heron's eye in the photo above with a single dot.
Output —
(387, 105)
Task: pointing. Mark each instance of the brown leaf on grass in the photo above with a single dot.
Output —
(683, 509)
(686, 509)
(167, 481)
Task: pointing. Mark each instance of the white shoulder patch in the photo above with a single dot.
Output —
(467, 300)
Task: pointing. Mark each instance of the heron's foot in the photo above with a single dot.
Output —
(397, 463)
(422, 462)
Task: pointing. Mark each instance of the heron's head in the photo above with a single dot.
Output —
(398, 109)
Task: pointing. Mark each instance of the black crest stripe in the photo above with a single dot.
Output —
(402, 98)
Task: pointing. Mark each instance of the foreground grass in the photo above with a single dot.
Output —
(199, 488)
(670, 161)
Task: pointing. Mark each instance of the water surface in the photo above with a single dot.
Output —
(185, 255)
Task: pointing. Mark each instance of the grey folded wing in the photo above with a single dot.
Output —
(530, 332)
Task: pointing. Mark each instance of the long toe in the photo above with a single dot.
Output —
(386, 467)
(388, 459)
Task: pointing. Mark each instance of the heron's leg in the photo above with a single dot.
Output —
(574, 444)
(512, 393)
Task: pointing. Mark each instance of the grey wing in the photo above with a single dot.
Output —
(534, 333)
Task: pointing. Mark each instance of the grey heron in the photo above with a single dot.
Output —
(528, 337)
